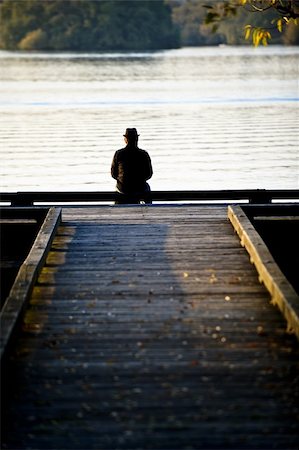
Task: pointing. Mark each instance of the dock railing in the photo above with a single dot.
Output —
(256, 196)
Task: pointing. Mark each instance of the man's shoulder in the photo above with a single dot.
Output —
(120, 151)
(131, 151)
(144, 152)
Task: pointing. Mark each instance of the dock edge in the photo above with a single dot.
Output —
(21, 290)
(282, 292)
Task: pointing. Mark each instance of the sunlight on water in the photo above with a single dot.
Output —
(211, 118)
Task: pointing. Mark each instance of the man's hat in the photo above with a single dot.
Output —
(131, 133)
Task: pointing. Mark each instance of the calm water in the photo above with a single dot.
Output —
(211, 118)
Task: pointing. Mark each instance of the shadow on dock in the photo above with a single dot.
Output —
(148, 328)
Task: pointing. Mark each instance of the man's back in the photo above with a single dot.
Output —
(131, 167)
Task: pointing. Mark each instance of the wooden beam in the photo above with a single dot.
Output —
(17, 221)
(282, 292)
(15, 304)
(258, 196)
(276, 218)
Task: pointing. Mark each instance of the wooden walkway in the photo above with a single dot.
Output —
(148, 329)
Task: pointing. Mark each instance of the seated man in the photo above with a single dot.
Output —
(132, 167)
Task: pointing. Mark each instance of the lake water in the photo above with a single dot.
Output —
(211, 118)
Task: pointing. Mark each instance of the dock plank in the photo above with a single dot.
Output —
(148, 328)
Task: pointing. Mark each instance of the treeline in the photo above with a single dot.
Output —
(121, 25)
(189, 16)
(80, 25)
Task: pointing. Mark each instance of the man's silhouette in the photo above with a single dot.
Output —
(132, 167)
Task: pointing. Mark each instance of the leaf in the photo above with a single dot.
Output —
(247, 31)
(264, 41)
(213, 278)
(257, 36)
(194, 363)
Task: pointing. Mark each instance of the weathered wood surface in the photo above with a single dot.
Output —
(148, 329)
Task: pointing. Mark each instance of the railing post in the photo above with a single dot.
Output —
(21, 200)
(260, 196)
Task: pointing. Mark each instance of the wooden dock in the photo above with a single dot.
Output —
(148, 329)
